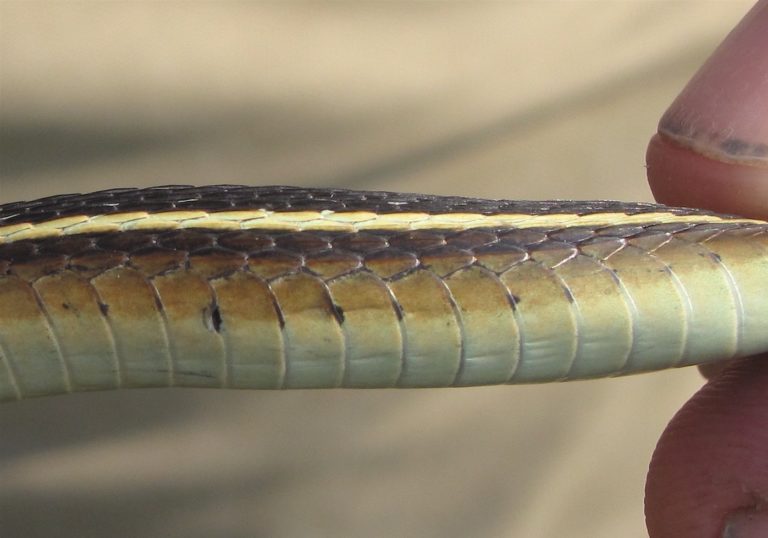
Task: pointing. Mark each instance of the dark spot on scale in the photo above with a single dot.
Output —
(212, 317)
(338, 313)
(104, 309)
(513, 300)
(398, 311)
(715, 256)
(65, 306)
(280, 317)
(184, 373)
(216, 318)
(568, 295)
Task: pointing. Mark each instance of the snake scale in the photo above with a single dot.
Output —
(285, 287)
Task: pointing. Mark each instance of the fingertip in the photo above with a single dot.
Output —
(747, 524)
(711, 150)
(710, 370)
(704, 478)
(708, 477)
(681, 176)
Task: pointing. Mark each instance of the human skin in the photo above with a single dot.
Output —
(709, 474)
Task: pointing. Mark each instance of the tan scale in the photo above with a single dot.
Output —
(546, 320)
(433, 345)
(713, 311)
(36, 364)
(72, 306)
(197, 356)
(255, 355)
(138, 327)
(373, 337)
(490, 331)
(314, 343)
(602, 314)
(747, 264)
(659, 316)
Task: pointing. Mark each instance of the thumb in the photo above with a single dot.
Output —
(709, 475)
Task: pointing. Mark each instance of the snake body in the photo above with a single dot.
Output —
(280, 287)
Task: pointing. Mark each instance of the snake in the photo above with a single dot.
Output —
(277, 287)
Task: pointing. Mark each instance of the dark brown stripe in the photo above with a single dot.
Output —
(269, 254)
(282, 198)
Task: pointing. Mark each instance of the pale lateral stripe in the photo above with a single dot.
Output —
(352, 221)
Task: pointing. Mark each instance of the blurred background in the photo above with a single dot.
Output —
(506, 100)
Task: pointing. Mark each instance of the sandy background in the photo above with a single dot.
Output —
(521, 100)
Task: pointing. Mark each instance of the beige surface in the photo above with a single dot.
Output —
(525, 100)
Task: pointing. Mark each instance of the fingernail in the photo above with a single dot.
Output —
(712, 143)
(746, 524)
(718, 113)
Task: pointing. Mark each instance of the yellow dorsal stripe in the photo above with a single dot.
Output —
(325, 220)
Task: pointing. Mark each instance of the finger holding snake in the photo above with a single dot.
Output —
(698, 484)
(709, 475)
